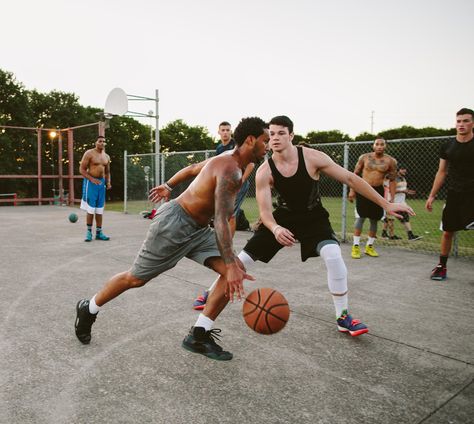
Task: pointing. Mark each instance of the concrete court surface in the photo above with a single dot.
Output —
(415, 366)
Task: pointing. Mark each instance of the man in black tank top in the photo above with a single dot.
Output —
(457, 164)
(294, 173)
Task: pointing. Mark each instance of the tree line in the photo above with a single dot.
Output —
(56, 109)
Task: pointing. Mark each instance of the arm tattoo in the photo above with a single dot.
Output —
(226, 190)
(392, 174)
(359, 165)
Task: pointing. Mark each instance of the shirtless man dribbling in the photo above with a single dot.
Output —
(95, 168)
(372, 167)
(181, 229)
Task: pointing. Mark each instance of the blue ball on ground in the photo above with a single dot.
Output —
(73, 217)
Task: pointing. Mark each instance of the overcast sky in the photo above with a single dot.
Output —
(325, 63)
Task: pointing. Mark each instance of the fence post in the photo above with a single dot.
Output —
(344, 195)
(125, 182)
(162, 168)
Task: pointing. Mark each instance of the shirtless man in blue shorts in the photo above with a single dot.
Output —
(95, 168)
(181, 229)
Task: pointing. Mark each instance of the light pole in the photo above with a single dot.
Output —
(133, 97)
(52, 135)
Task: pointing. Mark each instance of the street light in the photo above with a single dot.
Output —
(52, 135)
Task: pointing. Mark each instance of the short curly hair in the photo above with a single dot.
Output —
(249, 126)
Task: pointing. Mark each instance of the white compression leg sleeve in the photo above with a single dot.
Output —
(244, 258)
(337, 276)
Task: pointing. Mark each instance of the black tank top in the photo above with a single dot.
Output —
(300, 192)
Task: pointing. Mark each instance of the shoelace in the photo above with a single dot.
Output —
(213, 335)
(354, 321)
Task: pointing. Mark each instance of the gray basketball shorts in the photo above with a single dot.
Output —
(172, 236)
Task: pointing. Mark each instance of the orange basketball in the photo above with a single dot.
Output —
(266, 311)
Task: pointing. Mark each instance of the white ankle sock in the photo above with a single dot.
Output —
(370, 241)
(205, 322)
(93, 308)
(356, 240)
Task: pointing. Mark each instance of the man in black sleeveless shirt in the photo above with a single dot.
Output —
(294, 173)
(457, 164)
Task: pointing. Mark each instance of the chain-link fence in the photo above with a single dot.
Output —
(419, 156)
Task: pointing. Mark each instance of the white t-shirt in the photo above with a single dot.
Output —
(401, 186)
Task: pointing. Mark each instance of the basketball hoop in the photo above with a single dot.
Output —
(116, 103)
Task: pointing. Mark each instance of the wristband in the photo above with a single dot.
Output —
(276, 228)
(168, 187)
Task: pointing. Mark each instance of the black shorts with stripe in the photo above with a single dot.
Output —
(309, 227)
(458, 212)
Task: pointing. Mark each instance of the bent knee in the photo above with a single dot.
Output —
(134, 282)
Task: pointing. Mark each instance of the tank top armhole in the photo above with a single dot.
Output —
(273, 168)
(302, 170)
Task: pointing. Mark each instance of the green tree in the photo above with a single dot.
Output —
(15, 110)
(177, 136)
(334, 136)
(411, 132)
(124, 133)
(405, 132)
(365, 136)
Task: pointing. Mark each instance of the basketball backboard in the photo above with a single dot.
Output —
(116, 103)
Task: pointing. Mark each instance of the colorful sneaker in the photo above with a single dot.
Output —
(355, 253)
(88, 236)
(413, 237)
(347, 324)
(440, 273)
(200, 301)
(101, 236)
(204, 342)
(84, 321)
(369, 250)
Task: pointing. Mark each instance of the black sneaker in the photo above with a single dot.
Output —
(84, 321)
(384, 235)
(395, 238)
(201, 341)
(413, 237)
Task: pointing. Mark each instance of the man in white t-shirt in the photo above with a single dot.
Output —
(401, 192)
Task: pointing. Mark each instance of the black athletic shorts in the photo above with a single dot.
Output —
(458, 212)
(309, 227)
(368, 209)
(405, 217)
